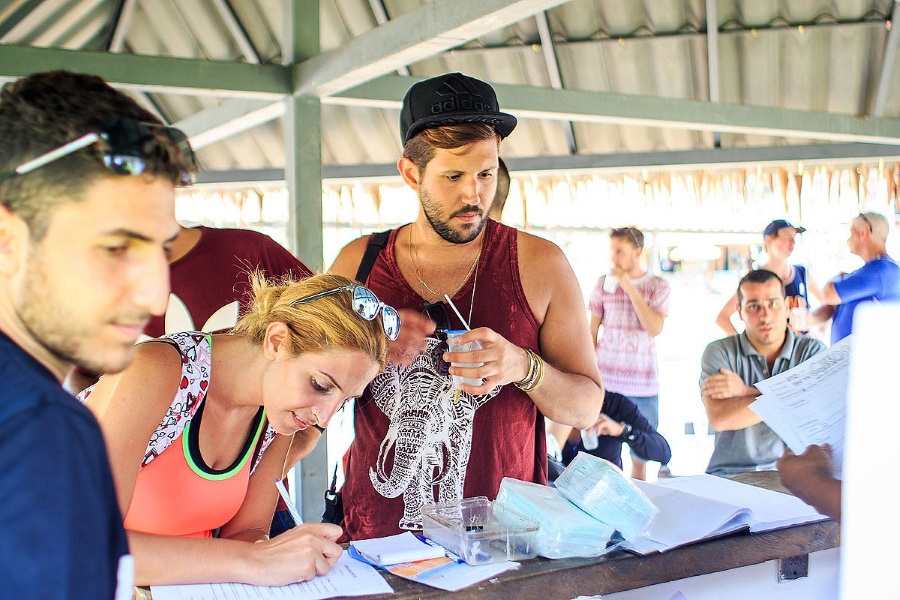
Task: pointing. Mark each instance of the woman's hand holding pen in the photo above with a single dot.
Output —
(298, 554)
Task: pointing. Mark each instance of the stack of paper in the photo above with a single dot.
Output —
(395, 549)
(808, 403)
(448, 573)
(703, 506)
(440, 568)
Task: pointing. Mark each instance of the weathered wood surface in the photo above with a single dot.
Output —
(544, 579)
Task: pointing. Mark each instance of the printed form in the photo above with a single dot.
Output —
(348, 577)
(808, 404)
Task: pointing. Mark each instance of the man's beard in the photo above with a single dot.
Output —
(59, 332)
(442, 227)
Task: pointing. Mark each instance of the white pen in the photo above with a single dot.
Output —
(287, 500)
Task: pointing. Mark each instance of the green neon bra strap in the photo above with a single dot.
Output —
(190, 445)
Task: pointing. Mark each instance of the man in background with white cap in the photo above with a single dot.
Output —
(876, 281)
(420, 436)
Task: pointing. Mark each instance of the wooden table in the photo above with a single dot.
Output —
(544, 579)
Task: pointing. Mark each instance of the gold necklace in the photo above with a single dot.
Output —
(474, 268)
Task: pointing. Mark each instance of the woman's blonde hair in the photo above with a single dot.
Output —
(322, 324)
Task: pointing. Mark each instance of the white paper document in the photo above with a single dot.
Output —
(394, 549)
(808, 404)
(348, 577)
(704, 506)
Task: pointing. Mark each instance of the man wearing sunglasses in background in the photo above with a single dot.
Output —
(86, 217)
(732, 366)
(876, 281)
(420, 438)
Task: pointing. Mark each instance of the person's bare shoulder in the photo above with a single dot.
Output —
(347, 261)
(157, 362)
(545, 273)
(537, 252)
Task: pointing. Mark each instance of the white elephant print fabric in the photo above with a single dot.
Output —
(429, 438)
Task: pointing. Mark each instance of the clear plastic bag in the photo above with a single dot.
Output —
(600, 489)
(566, 530)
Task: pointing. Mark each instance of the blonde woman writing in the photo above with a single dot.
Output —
(199, 426)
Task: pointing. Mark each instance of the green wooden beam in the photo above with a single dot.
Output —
(425, 32)
(158, 74)
(529, 102)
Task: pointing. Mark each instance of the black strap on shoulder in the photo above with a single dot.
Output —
(377, 241)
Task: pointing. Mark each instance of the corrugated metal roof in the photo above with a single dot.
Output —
(813, 55)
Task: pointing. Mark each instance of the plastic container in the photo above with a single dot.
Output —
(589, 438)
(481, 532)
(454, 346)
(800, 318)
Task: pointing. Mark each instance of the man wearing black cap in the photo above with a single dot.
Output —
(779, 238)
(421, 436)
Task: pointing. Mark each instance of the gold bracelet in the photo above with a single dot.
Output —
(532, 370)
(539, 379)
(536, 374)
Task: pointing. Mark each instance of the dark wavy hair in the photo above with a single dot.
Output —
(46, 110)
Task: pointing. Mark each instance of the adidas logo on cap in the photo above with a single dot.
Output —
(459, 95)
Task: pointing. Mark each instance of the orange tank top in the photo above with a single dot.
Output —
(178, 494)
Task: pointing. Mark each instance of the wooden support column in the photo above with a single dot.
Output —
(303, 179)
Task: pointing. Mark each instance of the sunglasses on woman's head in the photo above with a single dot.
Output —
(366, 304)
(126, 145)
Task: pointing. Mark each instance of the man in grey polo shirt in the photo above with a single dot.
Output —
(733, 365)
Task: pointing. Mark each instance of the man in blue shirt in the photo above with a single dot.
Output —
(876, 281)
(86, 217)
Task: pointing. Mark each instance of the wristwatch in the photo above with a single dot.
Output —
(628, 433)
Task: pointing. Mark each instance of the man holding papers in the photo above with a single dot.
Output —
(733, 365)
(809, 477)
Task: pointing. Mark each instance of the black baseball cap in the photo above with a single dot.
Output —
(778, 224)
(451, 99)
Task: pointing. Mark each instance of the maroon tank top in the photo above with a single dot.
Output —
(414, 443)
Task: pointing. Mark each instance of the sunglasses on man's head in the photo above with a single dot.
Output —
(126, 145)
(366, 304)
(630, 231)
(867, 221)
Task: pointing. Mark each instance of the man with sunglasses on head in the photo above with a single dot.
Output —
(876, 281)
(420, 437)
(87, 212)
(731, 367)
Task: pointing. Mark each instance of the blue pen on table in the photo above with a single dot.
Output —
(287, 500)
(447, 553)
